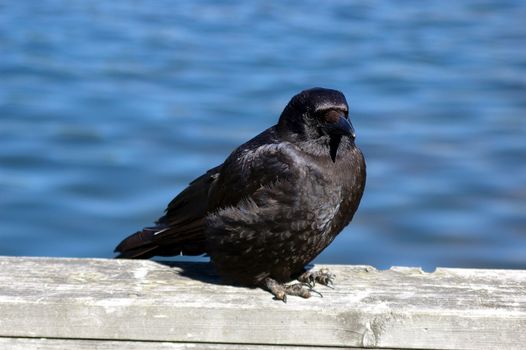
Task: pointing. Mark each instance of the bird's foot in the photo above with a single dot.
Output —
(280, 291)
(323, 277)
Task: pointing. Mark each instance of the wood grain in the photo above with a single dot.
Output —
(82, 344)
(147, 301)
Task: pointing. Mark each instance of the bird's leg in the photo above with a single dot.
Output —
(322, 276)
(280, 291)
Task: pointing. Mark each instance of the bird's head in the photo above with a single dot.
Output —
(318, 113)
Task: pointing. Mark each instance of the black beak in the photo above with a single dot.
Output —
(342, 127)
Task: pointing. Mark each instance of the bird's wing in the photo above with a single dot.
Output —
(251, 167)
(192, 202)
(180, 229)
(248, 170)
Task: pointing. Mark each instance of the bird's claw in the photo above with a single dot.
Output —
(280, 295)
(280, 291)
(312, 290)
(323, 277)
(283, 298)
(304, 288)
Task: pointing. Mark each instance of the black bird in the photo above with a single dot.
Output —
(275, 203)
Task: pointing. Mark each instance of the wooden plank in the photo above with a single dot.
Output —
(149, 301)
(88, 344)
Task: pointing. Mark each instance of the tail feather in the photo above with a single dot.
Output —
(181, 230)
(139, 245)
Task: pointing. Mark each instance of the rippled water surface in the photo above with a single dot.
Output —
(107, 110)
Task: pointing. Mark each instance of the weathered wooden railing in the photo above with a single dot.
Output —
(49, 303)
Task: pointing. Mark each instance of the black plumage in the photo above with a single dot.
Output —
(274, 204)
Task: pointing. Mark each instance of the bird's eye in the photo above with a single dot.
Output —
(331, 116)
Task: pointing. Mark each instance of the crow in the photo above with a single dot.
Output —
(275, 203)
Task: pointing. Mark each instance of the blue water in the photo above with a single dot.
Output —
(107, 110)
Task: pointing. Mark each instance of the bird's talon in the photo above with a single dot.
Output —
(323, 277)
(315, 291)
(306, 284)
